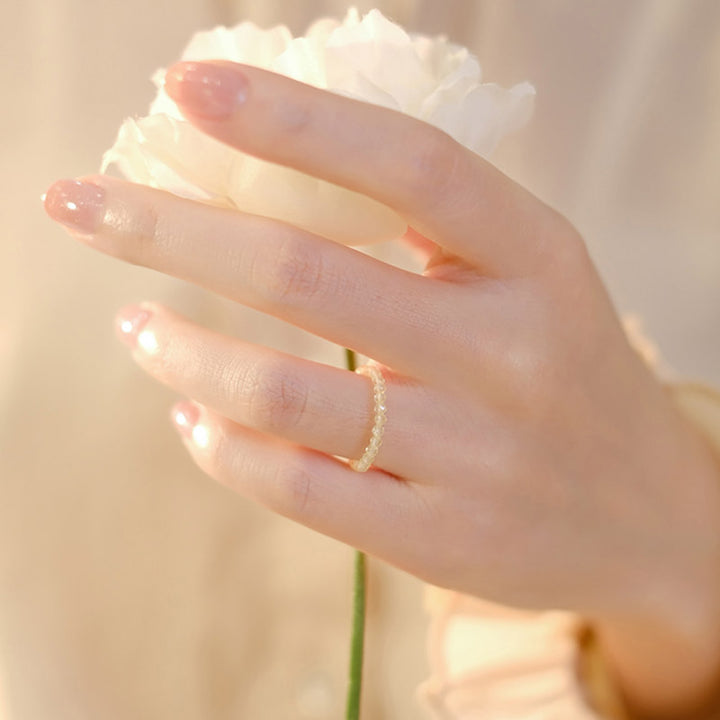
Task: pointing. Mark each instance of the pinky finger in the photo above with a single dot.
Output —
(365, 510)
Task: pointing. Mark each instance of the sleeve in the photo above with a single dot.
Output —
(490, 662)
(495, 663)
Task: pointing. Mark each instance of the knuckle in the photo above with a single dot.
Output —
(277, 400)
(433, 165)
(292, 115)
(149, 231)
(574, 256)
(295, 274)
(137, 240)
(562, 248)
(175, 358)
(294, 487)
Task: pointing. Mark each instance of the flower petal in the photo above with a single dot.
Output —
(368, 58)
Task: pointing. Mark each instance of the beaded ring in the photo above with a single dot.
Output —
(379, 419)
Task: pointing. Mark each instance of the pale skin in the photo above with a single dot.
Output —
(529, 455)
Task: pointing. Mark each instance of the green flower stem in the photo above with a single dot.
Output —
(350, 360)
(357, 642)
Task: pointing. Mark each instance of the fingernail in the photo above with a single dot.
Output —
(185, 417)
(205, 89)
(129, 323)
(77, 204)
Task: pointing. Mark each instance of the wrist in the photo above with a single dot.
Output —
(663, 672)
(663, 648)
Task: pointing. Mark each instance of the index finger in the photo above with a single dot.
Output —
(446, 192)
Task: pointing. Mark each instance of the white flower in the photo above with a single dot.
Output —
(367, 58)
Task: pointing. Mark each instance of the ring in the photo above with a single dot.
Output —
(379, 419)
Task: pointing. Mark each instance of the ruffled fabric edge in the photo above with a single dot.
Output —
(496, 663)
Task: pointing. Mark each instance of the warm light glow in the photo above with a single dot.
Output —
(201, 436)
(148, 342)
(126, 326)
(181, 419)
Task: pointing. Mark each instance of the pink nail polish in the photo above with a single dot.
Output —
(129, 322)
(77, 204)
(206, 89)
(185, 417)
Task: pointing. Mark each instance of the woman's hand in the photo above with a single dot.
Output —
(529, 457)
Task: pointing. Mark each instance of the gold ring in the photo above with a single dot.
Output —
(379, 419)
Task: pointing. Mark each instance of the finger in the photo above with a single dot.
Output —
(329, 289)
(445, 191)
(371, 511)
(313, 405)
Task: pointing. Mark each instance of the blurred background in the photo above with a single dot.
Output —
(130, 585)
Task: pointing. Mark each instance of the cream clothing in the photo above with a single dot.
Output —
(130, 586)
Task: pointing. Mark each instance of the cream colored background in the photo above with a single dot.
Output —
(131, 587)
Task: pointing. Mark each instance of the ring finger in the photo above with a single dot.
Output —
(307, 403)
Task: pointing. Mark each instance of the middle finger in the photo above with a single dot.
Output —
(391, 315)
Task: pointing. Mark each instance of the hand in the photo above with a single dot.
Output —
(529, 457)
